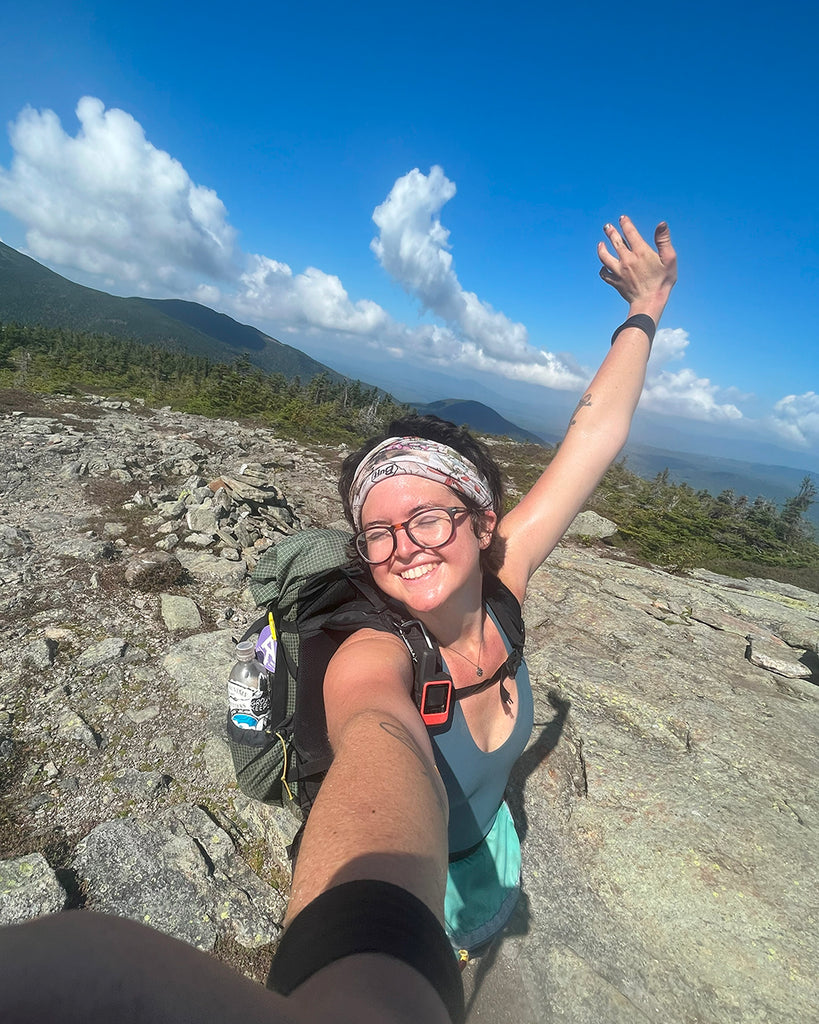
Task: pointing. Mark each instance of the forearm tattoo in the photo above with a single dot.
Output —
(403, 735)
(586, 400)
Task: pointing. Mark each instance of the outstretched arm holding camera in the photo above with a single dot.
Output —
(371, 867)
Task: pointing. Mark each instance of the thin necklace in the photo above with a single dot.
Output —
(477, 664)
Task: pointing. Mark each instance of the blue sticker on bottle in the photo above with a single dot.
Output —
(247, 721)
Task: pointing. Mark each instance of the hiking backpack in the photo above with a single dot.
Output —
(314, 598)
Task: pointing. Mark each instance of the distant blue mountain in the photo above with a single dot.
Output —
(478, 417)
(713, 474)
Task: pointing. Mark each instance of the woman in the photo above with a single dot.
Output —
(426, 505)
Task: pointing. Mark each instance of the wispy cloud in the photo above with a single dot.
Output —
(796, 419)
(682, 392)
(109, 203)
(413, 247)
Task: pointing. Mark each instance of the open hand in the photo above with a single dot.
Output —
(642, 275)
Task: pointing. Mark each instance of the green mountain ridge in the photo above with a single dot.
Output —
(31, 294)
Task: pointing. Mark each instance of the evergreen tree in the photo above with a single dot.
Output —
(792, 522)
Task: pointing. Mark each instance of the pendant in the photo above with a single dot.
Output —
(479, 672)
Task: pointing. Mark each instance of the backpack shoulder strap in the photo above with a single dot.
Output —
(342, 601)
(507, 611)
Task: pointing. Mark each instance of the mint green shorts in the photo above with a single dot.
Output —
(482, 889)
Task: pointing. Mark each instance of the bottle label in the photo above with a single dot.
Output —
(249, 708)
(240, 695)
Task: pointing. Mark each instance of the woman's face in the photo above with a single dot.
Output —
(423, 578)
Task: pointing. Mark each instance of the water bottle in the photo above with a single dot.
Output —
(249, 689)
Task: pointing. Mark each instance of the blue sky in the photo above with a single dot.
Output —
(419, 189)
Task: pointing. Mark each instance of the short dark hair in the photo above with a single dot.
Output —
(432, 428)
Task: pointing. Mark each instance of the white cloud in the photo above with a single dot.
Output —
(682, 392)
(207, 294)
(312, 300)
(413, 247)
(442, 346)
(110, 203)
(796, 419)
(446, 348)
(685, 394)
(413, 243)
(669, 346)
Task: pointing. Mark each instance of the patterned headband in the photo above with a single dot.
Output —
(417, 456)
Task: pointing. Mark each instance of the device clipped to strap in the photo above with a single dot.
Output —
(432, 687)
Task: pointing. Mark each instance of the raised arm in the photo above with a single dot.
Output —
(599, 426)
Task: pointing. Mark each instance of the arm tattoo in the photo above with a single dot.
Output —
(403, 735)
(586, 400)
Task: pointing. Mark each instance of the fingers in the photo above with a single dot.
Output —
(614, 236)
(610, 263)
(662, 239)
(632, 235)
(607, 275)
(631, 240)
(636, 270)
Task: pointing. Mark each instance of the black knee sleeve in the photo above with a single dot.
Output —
(368, 917)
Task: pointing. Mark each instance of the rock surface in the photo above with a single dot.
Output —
(667, 799)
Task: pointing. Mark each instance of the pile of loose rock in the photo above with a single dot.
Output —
(235, 515)
(126, 539)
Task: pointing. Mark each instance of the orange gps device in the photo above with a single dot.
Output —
(436, 698)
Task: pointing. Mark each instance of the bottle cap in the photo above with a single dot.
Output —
(246, 650)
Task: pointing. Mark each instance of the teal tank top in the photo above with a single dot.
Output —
(474, 779)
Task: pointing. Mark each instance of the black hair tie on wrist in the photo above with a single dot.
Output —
(642, 321)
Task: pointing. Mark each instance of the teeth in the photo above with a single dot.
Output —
(418, 570)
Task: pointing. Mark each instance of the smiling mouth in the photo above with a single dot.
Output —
(416, 572)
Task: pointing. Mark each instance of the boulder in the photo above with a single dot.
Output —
(178, 873)
(179, 613)
(28, 888)
(590, 524)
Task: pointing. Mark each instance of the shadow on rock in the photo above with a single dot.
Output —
(532, 758)
(518, 925)
(503, 1000)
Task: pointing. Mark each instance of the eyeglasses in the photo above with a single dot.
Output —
(429, 528)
